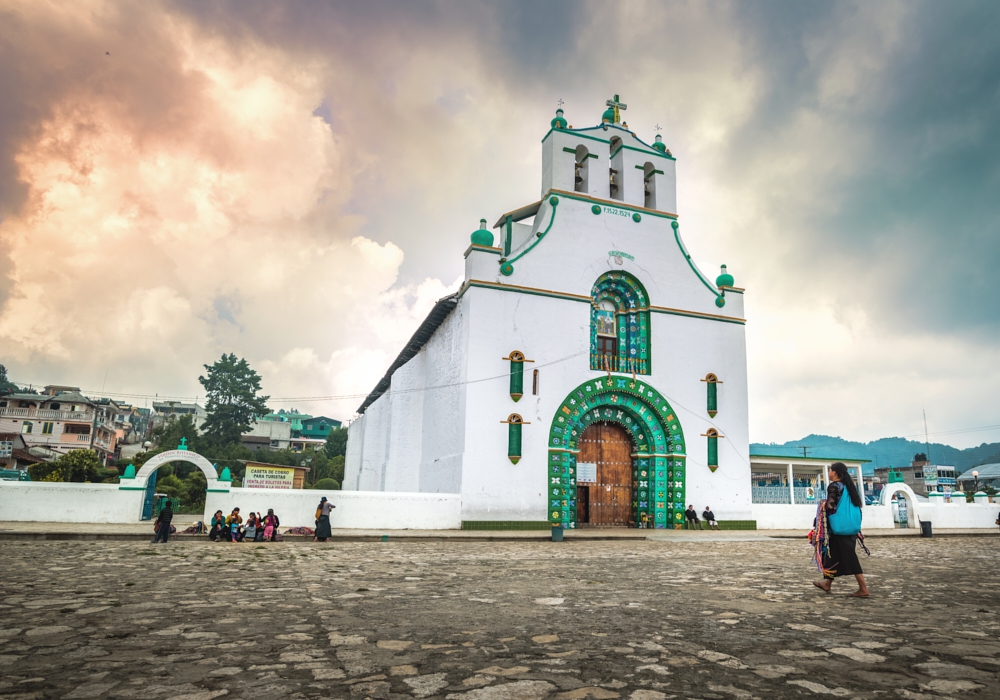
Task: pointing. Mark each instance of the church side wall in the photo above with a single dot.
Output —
(410, 439)
(441, 453)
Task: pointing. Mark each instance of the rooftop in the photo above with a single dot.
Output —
(987, 472)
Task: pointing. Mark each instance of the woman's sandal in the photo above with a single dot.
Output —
(820, 586)
(859, 594)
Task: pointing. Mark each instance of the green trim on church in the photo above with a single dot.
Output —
(629, 324)
(658, 463)
(496, 286)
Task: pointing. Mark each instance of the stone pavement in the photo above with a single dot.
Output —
(472, 620)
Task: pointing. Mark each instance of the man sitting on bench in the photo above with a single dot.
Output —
(709, 518)
(692, 518)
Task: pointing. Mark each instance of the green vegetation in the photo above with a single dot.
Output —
(6, 386)
(327, 485)
(77, 466)
(336, 442)
(233, 402)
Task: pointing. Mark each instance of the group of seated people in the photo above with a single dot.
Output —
(232, 528)
(708, 516)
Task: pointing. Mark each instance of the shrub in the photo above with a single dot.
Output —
(327, 485)
(78, 466)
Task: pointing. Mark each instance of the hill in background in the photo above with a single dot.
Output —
(885, 452)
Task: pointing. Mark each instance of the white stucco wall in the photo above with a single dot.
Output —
(363, 510)
(27, 501)
(876, 517)
(800, 517)
(411, 438)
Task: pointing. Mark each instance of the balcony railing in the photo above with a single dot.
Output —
(46, 414)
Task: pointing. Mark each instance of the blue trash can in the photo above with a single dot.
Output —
(557, 533)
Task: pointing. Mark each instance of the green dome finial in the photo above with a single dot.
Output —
(560, 121)
(129, 472)
(608, 117)
(724, 279)
(659, 145)
(482, 236)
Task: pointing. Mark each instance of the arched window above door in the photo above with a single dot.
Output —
(619, 325)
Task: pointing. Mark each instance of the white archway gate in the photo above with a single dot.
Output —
(885, 499)
(140, 481)
(159, 460)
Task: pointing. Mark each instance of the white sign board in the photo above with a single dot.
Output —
(586, 472)
(268, 478)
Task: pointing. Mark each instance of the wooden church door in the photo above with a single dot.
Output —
(609, 498)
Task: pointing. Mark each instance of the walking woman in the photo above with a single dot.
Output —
(323, 520)
(217, 523)
(842, 511)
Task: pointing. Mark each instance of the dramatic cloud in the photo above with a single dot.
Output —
(295, 182)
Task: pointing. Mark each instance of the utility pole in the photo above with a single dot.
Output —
(927, 441)
(804, 448)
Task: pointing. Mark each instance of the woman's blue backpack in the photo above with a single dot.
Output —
(847, 519)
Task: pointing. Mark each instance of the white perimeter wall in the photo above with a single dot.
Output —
(944, 516)
(26, 501)
(359, 510)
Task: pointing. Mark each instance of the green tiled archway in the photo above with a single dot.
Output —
(658, 463)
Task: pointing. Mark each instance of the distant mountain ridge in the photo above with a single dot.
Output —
(885, 452)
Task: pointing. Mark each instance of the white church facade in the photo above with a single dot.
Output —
(586, 373)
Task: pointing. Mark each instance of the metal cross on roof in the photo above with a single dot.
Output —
(657, 128)
(618, 106)
(561, 103)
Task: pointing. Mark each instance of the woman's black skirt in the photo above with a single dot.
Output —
(843, 559)
(323, 528)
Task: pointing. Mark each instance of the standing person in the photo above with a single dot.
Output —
(162, 523)
(692, 518)
(323, 520)
(709, 517)
(842, 514)
(271, 523)
(217, 523)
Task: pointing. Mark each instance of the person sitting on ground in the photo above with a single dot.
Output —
(709, 517)
(162, 524)
(217, 524)
(692, 518)
(260, 528)
(233, 525)
(250, 531)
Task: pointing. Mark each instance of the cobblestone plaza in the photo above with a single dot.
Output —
(495, 620)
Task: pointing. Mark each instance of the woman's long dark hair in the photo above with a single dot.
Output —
(840, 469)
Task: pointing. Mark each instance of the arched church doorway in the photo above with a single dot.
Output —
(604, 477)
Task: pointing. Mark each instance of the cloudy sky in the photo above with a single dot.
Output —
(296, 183)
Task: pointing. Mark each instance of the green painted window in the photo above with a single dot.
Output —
(514, 423)
(517, 361)
(712, 383)
(619, 325)
(713, 448)
(46, 428)
(26, 427)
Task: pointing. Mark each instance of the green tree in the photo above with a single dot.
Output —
(168, 436)
(233, 402)
(77, 465)
(336, 442)
(327, 485)
(5, 384)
